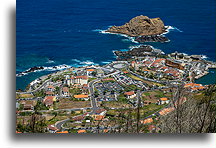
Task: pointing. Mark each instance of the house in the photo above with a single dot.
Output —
(90, 71)
(194, 86)
(49, 93)
(65, 92)
(98, 117)
(28, 107)
(17, 105)
(173, 64)
(81, 131)
(100, 73)
(165, 111)
(133, 63)
(78, 118)
(162, 101)
(63, 132)
(81, 96)
(105, 131)
(18, 132)
(152, 128)
(50, 88)
(48, 100)
(78, 80)
(101, 112)
(108, 79)
(52, 129)
(147, 121)
(130, 94)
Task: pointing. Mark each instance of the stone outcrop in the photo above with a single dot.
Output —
(140, 26)
(152, 38)
(140, 51)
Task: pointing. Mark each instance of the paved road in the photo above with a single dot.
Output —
(59, 124)
(92, 98)
(72, 109)
(40, 87)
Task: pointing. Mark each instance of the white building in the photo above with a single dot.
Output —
(77, 80)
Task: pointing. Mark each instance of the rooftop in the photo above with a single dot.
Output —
(129, 93)
(81, 96)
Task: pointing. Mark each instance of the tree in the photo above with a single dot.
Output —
(196, 115)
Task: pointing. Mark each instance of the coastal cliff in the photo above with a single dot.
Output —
(139, 26)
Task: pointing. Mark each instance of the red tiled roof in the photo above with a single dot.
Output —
(50, 86)
(194, 86)
(100, 111)
(78, 118)
(163, 99)
(48, 102)
(90, 69)
(85, 85)
(49, 93)
(79, 77)
(81, 96)
(63, 132)
(99, 117)
(166, 110)
(146, 121)
(129, 93)
(151, 127)
(18, 132)
(81, 131)
(159, 60)
(108, 79)
(49, 97)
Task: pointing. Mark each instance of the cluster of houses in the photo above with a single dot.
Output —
(160, 67)
(97, 116)
(124, 80)
(194, 87)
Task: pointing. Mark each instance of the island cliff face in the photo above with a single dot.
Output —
(142, 28)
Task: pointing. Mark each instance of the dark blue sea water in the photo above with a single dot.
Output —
(55, 32)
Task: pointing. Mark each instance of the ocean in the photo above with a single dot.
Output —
(56, 32)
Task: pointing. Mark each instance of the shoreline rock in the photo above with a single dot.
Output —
(152, 38)
(140, 51)
(140, 26)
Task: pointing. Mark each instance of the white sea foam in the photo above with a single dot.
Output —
(171, 28)
(106, 62)
(132, 39)
(50, 61)
(204, 57)
(76, 60)
(51, 68)
(79, 63)
(87, 62)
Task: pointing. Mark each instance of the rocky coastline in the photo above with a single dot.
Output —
(142, 50)
(39, 68)
(152, 38)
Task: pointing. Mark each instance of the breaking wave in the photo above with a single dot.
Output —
(171, 28)
(79, 63)
(43, 68)
(132, 39)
